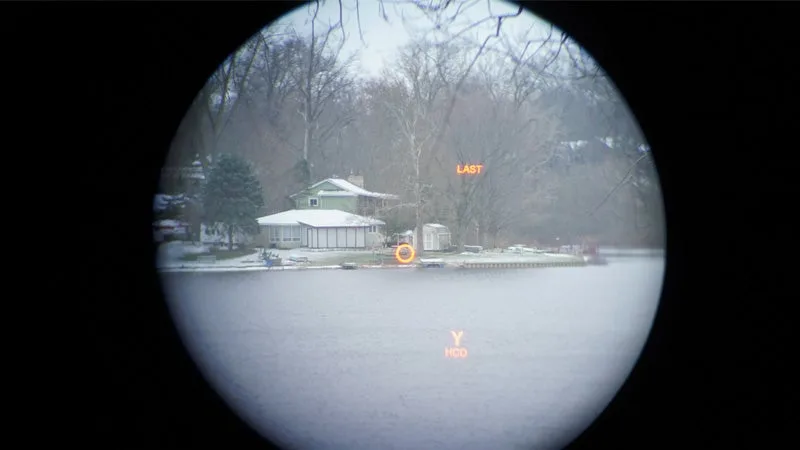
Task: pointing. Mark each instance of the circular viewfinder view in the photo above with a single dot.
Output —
(411, 225)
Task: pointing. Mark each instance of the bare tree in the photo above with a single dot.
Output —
(268, 115)
(634, 177)
(319, 78)
(227, 86)
(469, 89)
(421, 82)
(209, 114)
(466, 202)
(511, 129)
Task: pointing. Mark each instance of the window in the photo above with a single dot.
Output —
(290, 233)
(274, 234)
(373, 229)
(313, 202)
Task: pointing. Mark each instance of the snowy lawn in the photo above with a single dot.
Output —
(332, 257)
(177, 254)
(220, 254)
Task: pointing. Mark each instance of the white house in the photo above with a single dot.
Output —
(320, 228)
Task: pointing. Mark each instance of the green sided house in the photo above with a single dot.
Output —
(343, 195)
(331, 214)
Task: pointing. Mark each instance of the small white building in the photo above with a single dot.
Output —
(436, 237)
(320, 228)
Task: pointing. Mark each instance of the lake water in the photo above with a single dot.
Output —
(356, 359)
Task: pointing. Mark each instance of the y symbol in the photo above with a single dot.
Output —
(457, 337)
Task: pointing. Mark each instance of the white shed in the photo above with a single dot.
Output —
(320, 228)
(436, 237)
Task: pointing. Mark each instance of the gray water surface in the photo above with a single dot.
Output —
(356, 359)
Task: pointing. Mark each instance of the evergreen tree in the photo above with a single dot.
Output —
(232, 198)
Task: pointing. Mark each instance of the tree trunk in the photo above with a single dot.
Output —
(306, 145)
(309, 98)
(462, 236)
(230, 237)
(196, 231)
(419, 242)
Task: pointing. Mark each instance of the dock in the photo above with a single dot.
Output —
(521, 264)
(431, 263)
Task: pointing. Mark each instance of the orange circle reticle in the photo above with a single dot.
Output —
(402, 260)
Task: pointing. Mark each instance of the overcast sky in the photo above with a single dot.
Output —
(382, 38)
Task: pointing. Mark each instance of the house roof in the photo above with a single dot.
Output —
(163, 201)
(318, 218)
(336, 194)
(346, 186)
(435, 225)
(168, 223)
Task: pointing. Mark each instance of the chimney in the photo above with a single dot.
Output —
(358, 180)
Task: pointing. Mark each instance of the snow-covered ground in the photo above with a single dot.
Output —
(240, 268)
(313, 254)
(173, 251)
(170, 254)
